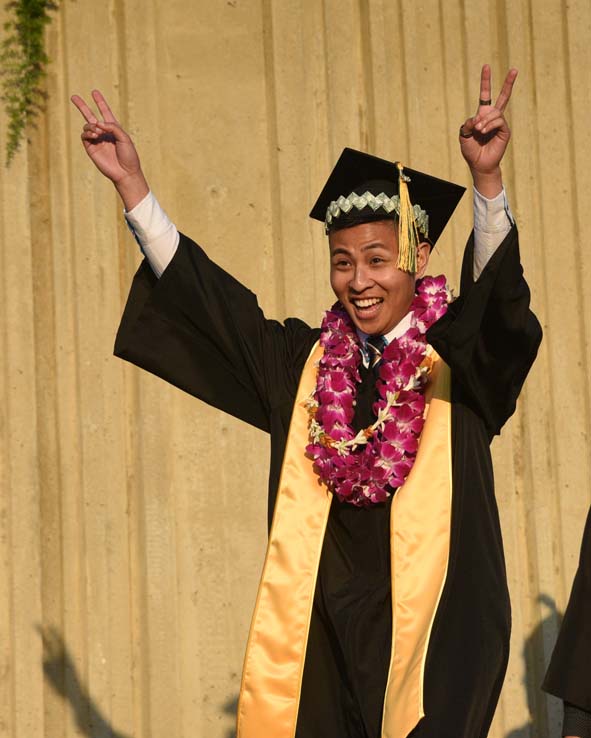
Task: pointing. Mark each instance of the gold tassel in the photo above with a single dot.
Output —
(408, 234)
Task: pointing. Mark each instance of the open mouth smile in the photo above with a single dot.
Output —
(366, 304)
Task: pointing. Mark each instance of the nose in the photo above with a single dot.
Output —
(361, 278)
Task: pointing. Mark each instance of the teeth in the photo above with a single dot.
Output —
(368, 302)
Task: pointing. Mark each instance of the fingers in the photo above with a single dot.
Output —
(492, 120)
(102, 131)
(115, 130)
(486, 87)
(490, 125)
(467, 128)
(103, 107)
(92, 132)
(87, 113)
(505, 94)
(485, 83)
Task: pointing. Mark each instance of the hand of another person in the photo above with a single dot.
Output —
(485, 136)
(111, 150)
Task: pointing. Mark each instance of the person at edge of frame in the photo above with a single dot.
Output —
(383, 607)
(568, 674)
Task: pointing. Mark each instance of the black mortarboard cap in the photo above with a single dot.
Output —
(358, 172)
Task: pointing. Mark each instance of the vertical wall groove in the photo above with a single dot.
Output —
(367, 64)
(404, 76)
(274, 152)
(583, 321)
(467, 83)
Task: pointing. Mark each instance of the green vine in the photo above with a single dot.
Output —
(22, 66)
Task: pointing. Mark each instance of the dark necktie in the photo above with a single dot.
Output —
(366, 389)
(375, 346)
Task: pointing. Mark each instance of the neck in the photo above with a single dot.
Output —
(401, 327)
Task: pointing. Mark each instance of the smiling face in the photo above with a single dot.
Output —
(364, 277)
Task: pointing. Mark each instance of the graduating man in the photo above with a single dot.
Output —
(383, 607)
(568, 673)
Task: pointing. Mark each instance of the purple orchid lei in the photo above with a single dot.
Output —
(365, 467)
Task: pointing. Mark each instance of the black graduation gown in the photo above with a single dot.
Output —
(201, 330)
(568, 675)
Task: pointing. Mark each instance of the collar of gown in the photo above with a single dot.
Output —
(396, 332)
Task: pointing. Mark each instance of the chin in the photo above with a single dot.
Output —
(378, 326)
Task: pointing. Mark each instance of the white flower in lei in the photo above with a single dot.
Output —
(364, 467)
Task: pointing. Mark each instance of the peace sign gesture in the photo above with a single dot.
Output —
(112, 150)
(484, 137)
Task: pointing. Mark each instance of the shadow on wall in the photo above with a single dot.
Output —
(231, 708)
(61, 673)
(545, 712)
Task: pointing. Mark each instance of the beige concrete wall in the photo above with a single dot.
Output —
(132, 518)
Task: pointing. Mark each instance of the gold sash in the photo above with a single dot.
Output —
(420, 523)
(420, 532)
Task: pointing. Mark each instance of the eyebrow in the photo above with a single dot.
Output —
(367, 247)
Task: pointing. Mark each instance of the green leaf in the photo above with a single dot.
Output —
(23, 62)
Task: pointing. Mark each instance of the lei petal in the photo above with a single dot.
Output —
(364, 468)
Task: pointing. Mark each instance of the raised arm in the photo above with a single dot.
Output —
(489, 336)
(111, 150)
(196, 327)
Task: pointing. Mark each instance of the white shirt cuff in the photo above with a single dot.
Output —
(155, 233)
(492, 222)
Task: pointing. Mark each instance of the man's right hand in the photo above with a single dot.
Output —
(112, 150)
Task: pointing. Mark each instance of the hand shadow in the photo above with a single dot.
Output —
(231, 708)
(538, 704)
(60, 671)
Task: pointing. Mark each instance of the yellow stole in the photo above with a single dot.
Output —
(419, 543)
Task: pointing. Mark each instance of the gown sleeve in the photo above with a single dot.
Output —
(200, 329)
(489, 337)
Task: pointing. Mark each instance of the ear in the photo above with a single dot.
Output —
(423, 254)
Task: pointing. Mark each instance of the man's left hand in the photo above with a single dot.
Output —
(484, 137)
